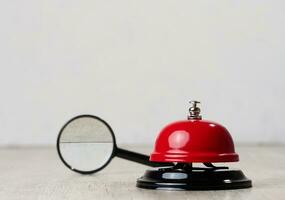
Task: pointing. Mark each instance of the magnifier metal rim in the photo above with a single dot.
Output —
(92, 171)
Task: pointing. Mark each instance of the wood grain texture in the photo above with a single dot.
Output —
(37, 173)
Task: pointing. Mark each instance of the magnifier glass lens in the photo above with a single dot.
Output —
(86, 143)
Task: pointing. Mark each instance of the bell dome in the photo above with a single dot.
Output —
(194, 140)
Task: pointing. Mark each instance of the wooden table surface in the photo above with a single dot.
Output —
(37, 173)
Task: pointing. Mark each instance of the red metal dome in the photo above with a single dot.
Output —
(194, 140)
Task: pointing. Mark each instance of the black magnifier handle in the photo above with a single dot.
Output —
(139, 158)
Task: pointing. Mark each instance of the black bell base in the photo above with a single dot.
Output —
(195, 179)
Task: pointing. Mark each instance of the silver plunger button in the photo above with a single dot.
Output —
(194, 111)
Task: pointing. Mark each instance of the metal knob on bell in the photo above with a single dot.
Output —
(191, 141)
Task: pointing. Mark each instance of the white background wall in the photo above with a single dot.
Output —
(137, 63)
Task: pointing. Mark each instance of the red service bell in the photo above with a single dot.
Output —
(194, 141)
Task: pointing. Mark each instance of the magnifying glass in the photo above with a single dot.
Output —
(86, 144)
